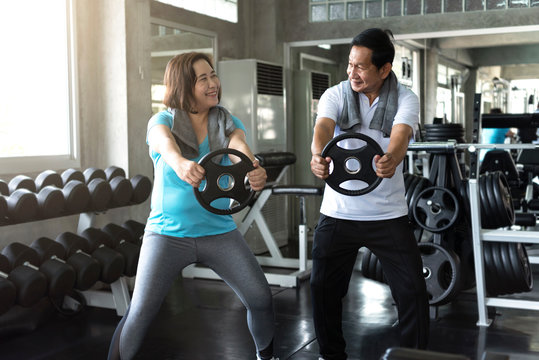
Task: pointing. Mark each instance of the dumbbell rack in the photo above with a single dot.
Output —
(118, 297)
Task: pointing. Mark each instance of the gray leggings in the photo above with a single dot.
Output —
(161, 260)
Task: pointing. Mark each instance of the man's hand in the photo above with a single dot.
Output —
(385, 165)
(320, 166)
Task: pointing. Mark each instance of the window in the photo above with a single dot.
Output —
(37, 122)
(221, 9)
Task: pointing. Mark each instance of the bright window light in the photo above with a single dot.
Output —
(35, 91)
(221, 9)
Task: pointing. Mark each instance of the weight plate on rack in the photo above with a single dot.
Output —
(521, 266)
(436, 209)
(503, 198)
(495, 213)
(441, 269)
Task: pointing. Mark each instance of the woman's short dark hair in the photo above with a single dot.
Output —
(380, 42)
(180, 79)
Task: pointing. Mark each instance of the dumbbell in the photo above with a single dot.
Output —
(122, 189)
(4, 188)
(72, 174)
(31, 284)
(114, 171)
(60, 276)
(75, 193)
(142, 188)
(141, 185)
(119, 240)
(8, 290)
(48, 178)
(53, 262)
(136, 229)
(21, 205)
(3, 209)
(111, 262)
(89, 269)
(100, 190)
(50, 200)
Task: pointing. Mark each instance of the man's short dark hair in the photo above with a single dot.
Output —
(380, 42)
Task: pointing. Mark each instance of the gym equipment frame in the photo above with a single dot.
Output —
(479, 235)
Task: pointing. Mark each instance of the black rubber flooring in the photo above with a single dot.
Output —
(203, 320)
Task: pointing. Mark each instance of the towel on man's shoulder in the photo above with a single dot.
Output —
(388, 103)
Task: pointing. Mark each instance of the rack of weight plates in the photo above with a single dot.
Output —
(449, 211)
(88, 268)
(489, 243)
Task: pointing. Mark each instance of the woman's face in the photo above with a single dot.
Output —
(206, 87)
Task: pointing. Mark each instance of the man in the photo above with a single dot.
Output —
(370, 102)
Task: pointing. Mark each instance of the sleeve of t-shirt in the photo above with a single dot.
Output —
(330, 104)
(408, 111)
(238, 123)
(161, 118)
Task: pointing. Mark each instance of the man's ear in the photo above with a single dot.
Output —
(385, 70)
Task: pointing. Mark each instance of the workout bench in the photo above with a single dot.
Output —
(276, 165)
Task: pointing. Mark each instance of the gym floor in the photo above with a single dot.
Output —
(203, 319)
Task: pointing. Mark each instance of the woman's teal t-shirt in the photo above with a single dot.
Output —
(175, 211)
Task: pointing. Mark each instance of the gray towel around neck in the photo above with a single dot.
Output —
(220, 126)
(383, 115)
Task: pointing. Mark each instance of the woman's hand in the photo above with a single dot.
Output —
(191, 172)
(257, 177)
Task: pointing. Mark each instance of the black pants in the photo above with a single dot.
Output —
(336, 244)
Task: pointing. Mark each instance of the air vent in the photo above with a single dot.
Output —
(269, 79)
(320, 83)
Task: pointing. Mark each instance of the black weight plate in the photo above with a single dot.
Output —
(490, 270)
(486, 212)
(443, 126)
(512, 279)
(212, 190)
(373, 260)
(436, 209)
(521, 267)
(365, 258)
(503, 198)
(501, 277)
(364, 155)
(423, 183)
(494, 215)
(465, 199)
(441, 268)
(407, 179)
(411, 188)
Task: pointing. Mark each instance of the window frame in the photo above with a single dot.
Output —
(33, 164)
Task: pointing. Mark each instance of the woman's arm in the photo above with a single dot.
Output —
(162, 141)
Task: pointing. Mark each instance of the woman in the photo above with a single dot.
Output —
(179, 231)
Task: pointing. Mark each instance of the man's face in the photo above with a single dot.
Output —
(364, 76)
